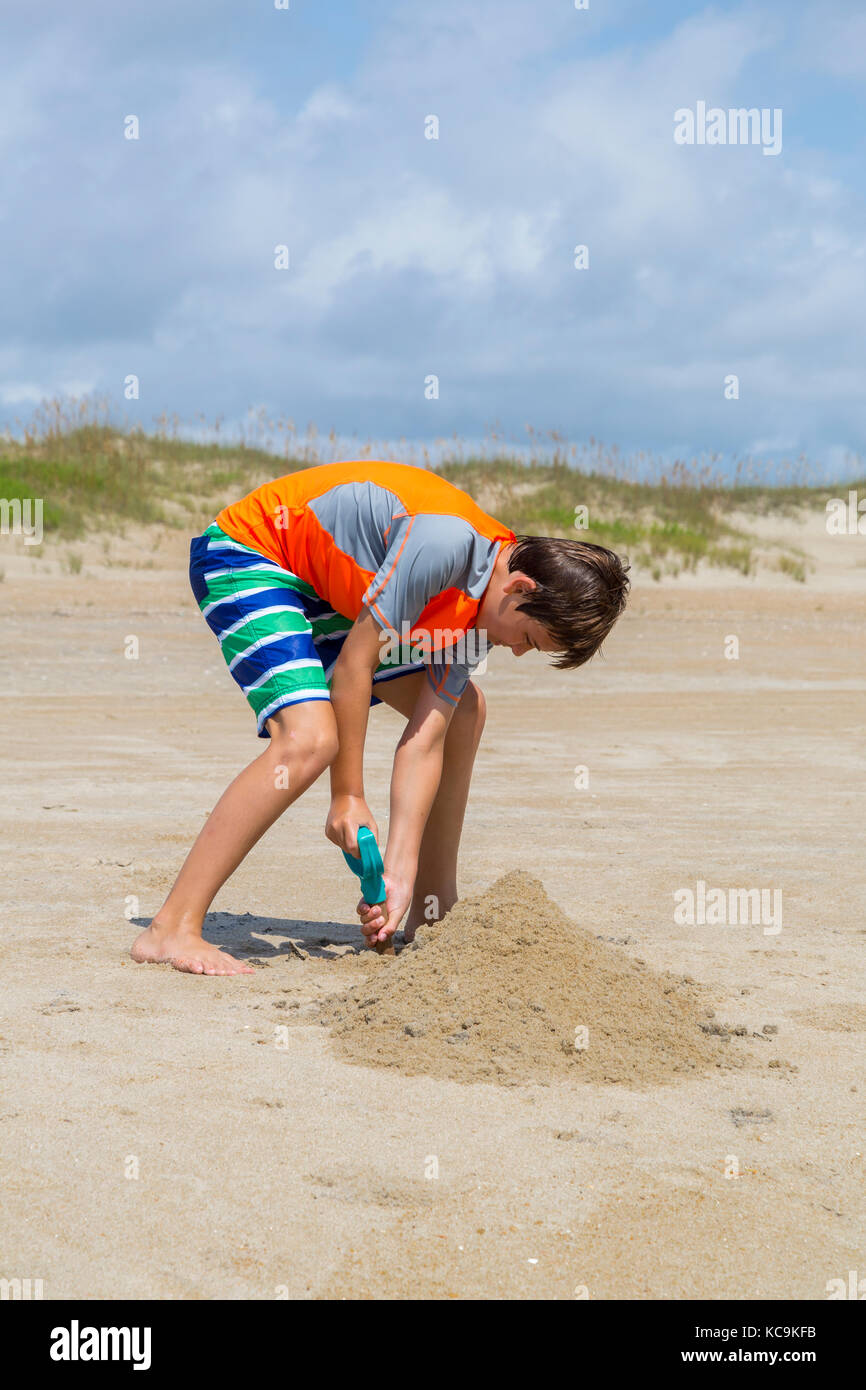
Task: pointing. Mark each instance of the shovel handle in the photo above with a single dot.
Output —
(368, 866)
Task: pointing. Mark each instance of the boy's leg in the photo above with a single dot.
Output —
(303, 743)
(437, 860)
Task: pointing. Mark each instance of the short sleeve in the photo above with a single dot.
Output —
(425, 554)
(449, 679)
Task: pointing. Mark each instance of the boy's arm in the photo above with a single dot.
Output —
(351, 687)
(425, 554)
(415, 779)
(417, 761)
(414, 783)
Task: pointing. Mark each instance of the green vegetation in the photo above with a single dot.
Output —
(91, 473)
(790, 564)
(666, 527)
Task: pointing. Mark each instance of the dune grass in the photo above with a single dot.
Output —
(666, 527)
(93, 474)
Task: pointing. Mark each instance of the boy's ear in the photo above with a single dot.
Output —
(519, 583)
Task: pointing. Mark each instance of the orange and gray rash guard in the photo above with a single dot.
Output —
(411, 547)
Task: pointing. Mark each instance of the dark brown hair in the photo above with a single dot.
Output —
(582, 589)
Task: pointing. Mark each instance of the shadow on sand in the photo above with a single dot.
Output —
(252, 938)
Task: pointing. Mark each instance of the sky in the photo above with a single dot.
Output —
(453, 258)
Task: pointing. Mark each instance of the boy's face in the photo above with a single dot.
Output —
(498, 613)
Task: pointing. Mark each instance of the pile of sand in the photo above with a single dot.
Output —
(497, 990)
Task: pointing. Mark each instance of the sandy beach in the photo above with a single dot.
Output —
(170, 1137)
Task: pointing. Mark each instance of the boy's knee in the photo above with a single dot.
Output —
(323, 747)
(314, 745)
(472, 708)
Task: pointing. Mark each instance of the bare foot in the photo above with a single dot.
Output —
(185, 950)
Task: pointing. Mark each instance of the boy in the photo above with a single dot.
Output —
(339, 580)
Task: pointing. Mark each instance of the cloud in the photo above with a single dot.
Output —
(454, 256)
(834, 41)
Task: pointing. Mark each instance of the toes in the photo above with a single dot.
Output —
(229, 965)
(216, 964)
(187, 966)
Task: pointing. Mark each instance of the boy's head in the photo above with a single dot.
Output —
(560, 596)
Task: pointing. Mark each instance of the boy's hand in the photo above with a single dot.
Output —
(346, 815)
(379, 921)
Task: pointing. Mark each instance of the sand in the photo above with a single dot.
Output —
(506, 989)
(164, 1137)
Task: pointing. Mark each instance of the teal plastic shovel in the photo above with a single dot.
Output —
(368, 866)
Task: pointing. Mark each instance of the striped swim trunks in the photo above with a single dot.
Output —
(280, 640)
